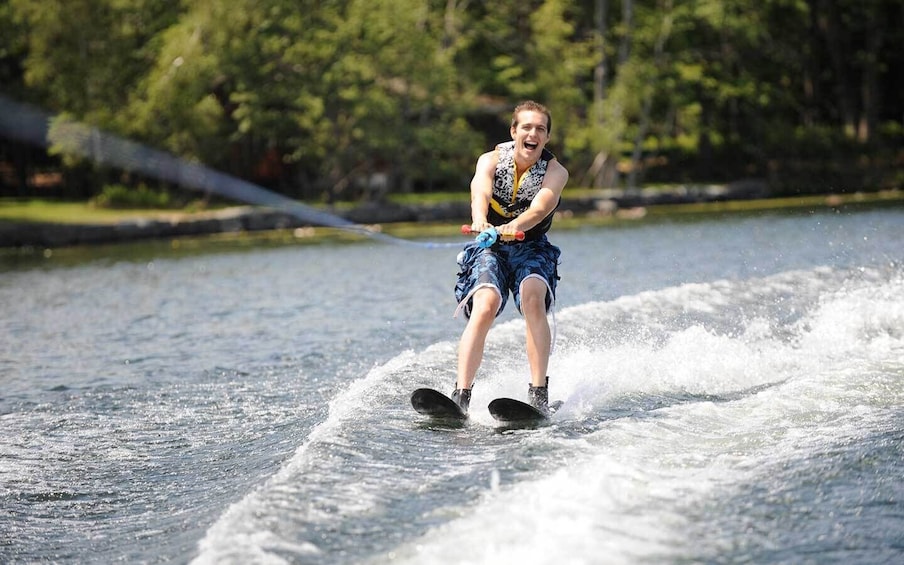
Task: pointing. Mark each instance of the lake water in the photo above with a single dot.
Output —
(733, 388)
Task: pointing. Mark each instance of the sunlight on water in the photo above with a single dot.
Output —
(635, 492)
(724, 402)
(657, 424)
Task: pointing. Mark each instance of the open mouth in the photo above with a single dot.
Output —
(530, 145)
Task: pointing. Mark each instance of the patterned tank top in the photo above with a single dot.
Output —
(511, 200)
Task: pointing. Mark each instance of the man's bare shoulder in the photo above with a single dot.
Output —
(487, 161)
(555, 170)
(556, 165)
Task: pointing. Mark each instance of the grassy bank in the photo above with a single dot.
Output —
(60, 212)
(55, 213)
(81, 213)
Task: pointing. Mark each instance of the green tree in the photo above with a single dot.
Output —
(85, 56)
(83, 59)
(339, 92)
(324, 98)
(393, 97)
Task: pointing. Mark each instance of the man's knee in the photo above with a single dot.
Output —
(485, 302)
(533, 294)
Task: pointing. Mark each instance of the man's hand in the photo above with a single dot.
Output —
(509, 231)
(479, 226)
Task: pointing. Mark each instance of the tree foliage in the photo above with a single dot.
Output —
(349, 98)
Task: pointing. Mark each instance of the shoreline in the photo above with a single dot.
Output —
(603, 207)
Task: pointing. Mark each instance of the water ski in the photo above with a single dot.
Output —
(510, 410)
(435, 404)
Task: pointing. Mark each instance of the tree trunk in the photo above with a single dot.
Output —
(599, 93)
(624, 48)
(838, 47)
(596, 174)
(869, 90)
(647, 108)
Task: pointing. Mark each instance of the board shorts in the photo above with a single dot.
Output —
(505, 266)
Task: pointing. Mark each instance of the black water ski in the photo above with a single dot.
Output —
(510, 410)
(437, 405)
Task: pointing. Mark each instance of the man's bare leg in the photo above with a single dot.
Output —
(484, 306)
(539, 338)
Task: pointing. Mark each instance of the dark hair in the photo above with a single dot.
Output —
(532, 106)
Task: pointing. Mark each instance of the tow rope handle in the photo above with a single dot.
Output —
(489, 236)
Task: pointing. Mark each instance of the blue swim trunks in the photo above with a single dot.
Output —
(504, 266)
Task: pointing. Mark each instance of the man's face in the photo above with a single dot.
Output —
(530, 134)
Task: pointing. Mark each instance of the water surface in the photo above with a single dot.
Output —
(733, 392)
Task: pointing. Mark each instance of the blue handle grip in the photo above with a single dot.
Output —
(487, 238)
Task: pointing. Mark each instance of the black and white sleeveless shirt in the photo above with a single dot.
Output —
(510, 200)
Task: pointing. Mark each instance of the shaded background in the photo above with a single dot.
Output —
(355, 99)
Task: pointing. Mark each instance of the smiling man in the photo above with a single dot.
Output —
(516, 188)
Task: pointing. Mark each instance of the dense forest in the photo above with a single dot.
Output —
(348, 99)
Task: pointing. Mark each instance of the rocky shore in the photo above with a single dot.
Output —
(252, 219)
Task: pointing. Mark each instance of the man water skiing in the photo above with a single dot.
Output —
(515, 188)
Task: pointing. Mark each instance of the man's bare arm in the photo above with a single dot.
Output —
(482, 190)
(543, 203)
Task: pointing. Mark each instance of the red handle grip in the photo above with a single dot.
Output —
(466, 229)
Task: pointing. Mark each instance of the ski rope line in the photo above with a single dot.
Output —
(31, 125)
